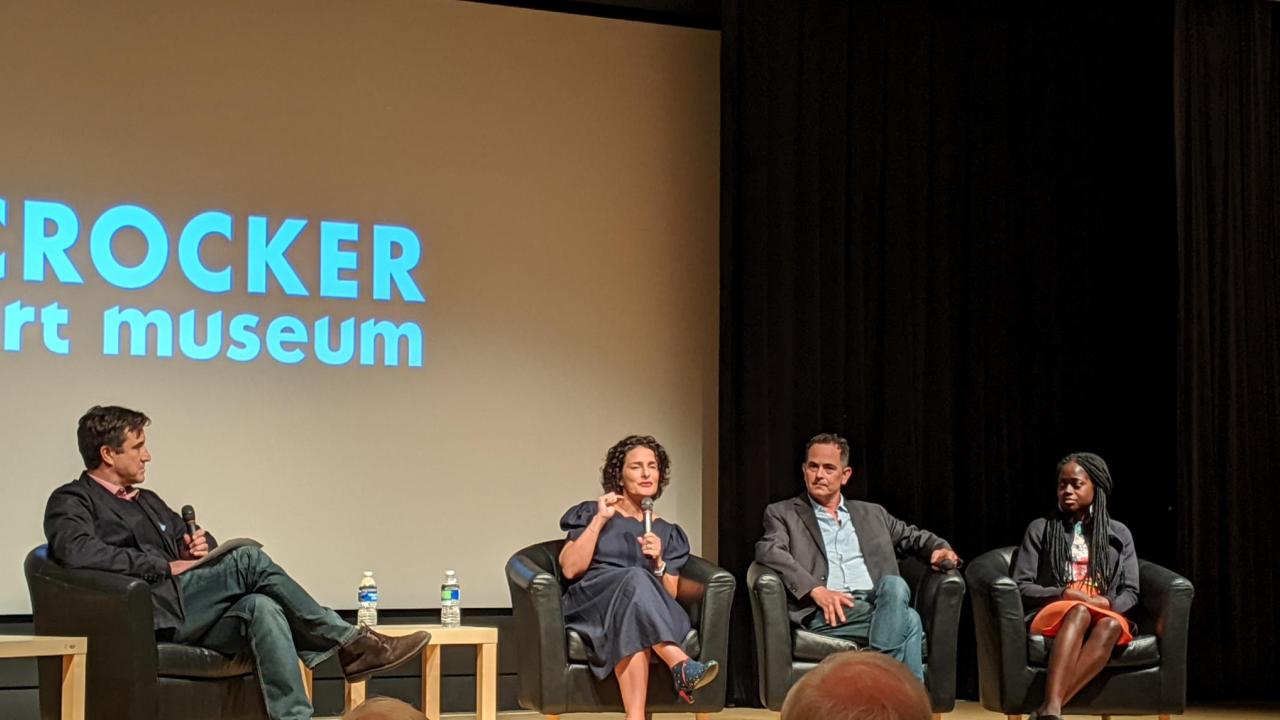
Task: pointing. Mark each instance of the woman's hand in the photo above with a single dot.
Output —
(1074, 594)
(651, 546)
(1100, 601)
(607, 505)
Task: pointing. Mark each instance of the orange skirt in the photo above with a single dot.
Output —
(1049, 619)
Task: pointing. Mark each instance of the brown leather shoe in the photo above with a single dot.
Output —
(371, 652)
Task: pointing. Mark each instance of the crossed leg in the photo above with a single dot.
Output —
(633, 675)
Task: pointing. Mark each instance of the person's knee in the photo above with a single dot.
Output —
(1078, 615)
(1108, 628)
(260, 608)
(892, 589)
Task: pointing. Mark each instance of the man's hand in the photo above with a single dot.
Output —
(177, 567)
(195, 546)
(942, 554)
(832, 604)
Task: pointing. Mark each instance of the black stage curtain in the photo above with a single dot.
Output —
(1227, 114)
(949, 233)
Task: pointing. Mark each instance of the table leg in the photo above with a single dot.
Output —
(355, 694)
(487, 681)
(308, 681)
(431, 682)
(73, 687)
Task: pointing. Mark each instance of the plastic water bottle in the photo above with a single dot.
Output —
(367, 596)
(450, 596)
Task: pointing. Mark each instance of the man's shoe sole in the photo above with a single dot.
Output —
(391, 666)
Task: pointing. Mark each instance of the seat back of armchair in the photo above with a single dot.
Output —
(114, 613)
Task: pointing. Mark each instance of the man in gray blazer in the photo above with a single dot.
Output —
(838, 559)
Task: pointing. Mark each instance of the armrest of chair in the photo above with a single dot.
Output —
(1167, 596)
(540, 635)
(938, 600)
(706, 591)
(115, 613)
(1000, 628)
(772, 624)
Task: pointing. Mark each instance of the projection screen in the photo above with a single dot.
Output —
(388, 277)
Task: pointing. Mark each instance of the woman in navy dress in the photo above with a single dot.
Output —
(622, 596)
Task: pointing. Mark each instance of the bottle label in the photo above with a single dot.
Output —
(448, 593)
(365, 595)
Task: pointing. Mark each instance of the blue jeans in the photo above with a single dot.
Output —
(882, 620)
(244, 602)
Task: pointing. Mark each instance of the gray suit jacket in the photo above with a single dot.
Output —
(792, 546)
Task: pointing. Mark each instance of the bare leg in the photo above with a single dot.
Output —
(670, 653)
(1094, 655)
(633, 681)
(1062, 662)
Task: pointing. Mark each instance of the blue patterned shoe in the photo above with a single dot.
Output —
(691, 675)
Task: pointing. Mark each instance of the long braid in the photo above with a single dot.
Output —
(1095, 527)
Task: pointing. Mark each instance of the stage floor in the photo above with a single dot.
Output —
(964, 711)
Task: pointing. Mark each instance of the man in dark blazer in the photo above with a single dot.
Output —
(238, 603)
(838, 559)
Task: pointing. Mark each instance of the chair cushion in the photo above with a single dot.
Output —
(808, 645)
(186, 661)
(580, 650)
(1144, 651)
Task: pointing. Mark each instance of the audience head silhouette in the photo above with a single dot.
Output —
(383, 708)
(857, 686)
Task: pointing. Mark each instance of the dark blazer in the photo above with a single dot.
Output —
(85, 530)
(1038, 584)
(792, 546)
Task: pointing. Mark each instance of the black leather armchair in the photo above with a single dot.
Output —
(553, 672)
(129, 674)
(784, 653)
(1147, 677)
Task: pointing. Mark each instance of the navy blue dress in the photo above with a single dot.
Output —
(619, 606)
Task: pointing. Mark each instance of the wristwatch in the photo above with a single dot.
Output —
(661, 569)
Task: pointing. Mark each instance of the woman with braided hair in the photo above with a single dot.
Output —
(1077, 573)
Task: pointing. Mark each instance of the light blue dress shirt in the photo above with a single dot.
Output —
(846, 567)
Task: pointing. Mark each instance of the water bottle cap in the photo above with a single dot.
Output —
(368, 573)
(449, 572)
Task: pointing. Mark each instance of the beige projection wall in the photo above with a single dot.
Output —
(561, 173)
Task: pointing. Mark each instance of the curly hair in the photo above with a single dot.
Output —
(1095, 527)
(106, 426)
(611, 473)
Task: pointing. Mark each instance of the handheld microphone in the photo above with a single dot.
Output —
(647, 506)
(189, 517)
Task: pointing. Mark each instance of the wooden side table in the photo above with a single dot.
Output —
(72, 650)
(484, 638)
